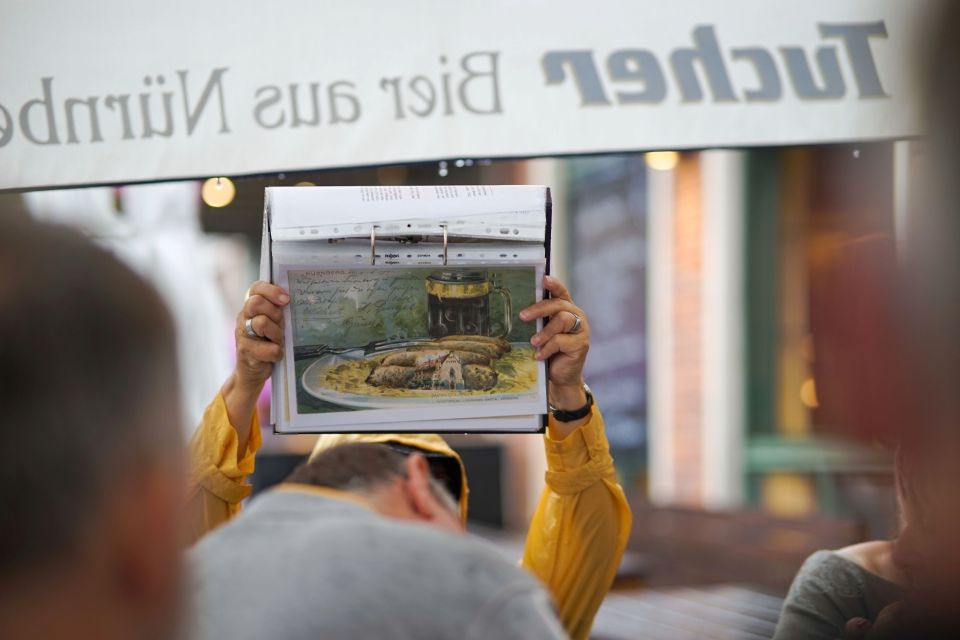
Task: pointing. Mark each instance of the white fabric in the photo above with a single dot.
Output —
(113, 91)
(157, 232)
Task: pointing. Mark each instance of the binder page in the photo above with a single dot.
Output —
(510, 212)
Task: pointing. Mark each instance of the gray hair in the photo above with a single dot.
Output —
(361, 467)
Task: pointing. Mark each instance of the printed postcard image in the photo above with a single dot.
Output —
(431, 340)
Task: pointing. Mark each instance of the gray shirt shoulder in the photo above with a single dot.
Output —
(297, 565)
(829, 590)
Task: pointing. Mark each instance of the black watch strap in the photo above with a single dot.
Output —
(576, 414)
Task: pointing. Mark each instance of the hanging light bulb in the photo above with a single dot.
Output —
(662, 160)
(808, 394)
(218, 192)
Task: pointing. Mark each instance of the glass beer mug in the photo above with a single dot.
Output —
(458, 303)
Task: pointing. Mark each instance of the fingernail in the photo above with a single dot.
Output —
(284, 298)
(548, 279)
(524, 315)
(862, 623)
(535, 341)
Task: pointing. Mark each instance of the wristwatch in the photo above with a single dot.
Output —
(576, 414)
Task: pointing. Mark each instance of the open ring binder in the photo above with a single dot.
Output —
(373, 243)
(420, 338)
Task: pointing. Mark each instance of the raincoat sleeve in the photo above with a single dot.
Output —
(218, 472)
(581, 524)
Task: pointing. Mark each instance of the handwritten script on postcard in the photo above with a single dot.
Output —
(354, 307)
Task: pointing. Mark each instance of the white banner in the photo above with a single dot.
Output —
(119, 91)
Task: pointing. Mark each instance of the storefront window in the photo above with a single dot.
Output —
(811, 212)
(608, 266)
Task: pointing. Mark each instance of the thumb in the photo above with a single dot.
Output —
(856, 629)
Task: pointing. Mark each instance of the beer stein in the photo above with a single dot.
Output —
(458, 303)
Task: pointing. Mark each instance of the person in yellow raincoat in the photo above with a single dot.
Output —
(581, 524)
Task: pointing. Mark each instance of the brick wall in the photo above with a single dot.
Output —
(687, 349)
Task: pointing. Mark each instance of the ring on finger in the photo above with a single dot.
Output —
(577, 322)
(249, 330)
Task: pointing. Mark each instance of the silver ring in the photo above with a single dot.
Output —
(248, 329)
(576, 323)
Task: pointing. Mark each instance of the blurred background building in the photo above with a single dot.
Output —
(722, 286)
(712, 281)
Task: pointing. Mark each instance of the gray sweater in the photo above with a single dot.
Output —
(298, 564)
(829, 590)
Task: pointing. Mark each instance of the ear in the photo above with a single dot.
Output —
(417, 488)
(421, 498)
(147, 545)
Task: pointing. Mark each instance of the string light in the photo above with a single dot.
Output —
(218, 192)
(662, 160)
(808, 394)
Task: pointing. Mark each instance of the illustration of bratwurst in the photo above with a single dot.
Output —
(451, 363)
(425, 357)
(500, 343)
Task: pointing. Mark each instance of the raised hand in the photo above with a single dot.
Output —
(564, 341)
(259, 334)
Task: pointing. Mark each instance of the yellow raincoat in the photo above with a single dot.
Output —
(576, 538)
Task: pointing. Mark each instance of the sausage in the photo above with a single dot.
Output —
(500, 343)
(471, 357)
(408, 358)
(414, 358)
(490, 351)
(392, 376)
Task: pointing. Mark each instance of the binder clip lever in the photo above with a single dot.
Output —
(373, 244)
(444, 244)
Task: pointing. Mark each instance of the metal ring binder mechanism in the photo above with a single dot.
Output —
(444, 244)
(373, 243)
(420, 338)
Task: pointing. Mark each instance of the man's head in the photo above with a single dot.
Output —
(445, 463)
(928, 473)
(89, 491)
(397, 485)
